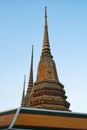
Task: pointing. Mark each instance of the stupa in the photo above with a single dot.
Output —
(47, 92)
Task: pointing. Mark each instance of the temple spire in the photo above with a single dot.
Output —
(47, 92)
(30, 83)
(23, 94)
(46, 45)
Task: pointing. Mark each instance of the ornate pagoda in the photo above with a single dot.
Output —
(47, 92)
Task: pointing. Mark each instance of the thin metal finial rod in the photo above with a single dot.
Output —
(45, 11)
(24, 86)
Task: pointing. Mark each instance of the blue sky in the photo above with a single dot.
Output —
(21, 25)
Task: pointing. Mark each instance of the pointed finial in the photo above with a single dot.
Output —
(24, 86)
(32, 52)
(46, 45)
(24, 81)
(23, 95)
(31, 69)
(45, 11)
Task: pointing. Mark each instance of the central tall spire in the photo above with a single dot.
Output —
(46, 45)
(46, 67)
(47, 92)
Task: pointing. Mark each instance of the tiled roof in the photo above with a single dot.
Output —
(6, 118)
(29, 118)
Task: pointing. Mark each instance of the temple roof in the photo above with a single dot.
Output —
(30, 118)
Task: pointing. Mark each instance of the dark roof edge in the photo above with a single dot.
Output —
(42, 111)
(52, 112)
(8, 112)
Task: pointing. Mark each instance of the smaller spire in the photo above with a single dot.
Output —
(23, 94)
(30, 82)
(31, 70)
